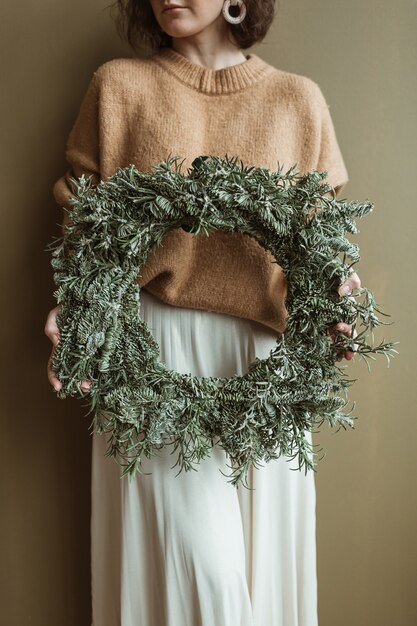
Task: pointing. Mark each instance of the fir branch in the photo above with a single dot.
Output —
(136, 398)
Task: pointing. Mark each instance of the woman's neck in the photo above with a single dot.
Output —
(209, 53)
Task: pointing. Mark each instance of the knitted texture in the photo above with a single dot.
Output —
(140, 111)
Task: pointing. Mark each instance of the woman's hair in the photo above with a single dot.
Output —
(136, 22)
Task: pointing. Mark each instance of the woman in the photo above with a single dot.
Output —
(189, 549)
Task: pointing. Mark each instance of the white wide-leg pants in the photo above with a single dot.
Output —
(191, 549)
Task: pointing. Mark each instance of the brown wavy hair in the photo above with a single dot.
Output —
(136, 22)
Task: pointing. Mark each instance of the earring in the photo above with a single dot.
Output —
(229, 18)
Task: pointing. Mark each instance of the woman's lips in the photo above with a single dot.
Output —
(173, 9)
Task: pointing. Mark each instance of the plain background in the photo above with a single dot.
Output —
(364, 57)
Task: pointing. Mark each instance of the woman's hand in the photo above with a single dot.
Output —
(52, 332)
(351, 283)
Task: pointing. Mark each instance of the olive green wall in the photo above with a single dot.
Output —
(363, 55)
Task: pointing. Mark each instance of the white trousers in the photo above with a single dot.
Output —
(191, 549)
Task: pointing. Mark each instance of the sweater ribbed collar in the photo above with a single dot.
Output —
(208, 80)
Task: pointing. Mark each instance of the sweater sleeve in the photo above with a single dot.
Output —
(330, 156)
(82, 149)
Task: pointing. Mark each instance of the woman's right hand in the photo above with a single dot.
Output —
(52, 332)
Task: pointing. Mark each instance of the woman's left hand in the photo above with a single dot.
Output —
(351, 283)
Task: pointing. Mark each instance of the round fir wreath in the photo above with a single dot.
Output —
(135, 397)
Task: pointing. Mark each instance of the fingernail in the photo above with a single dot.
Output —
(346, 290)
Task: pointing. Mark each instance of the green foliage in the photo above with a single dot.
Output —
(135, 397)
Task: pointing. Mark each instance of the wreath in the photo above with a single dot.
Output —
(135, 397)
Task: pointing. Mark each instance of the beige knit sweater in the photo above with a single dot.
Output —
(139, 111)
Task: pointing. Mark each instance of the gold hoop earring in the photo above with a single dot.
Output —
(229, 18)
